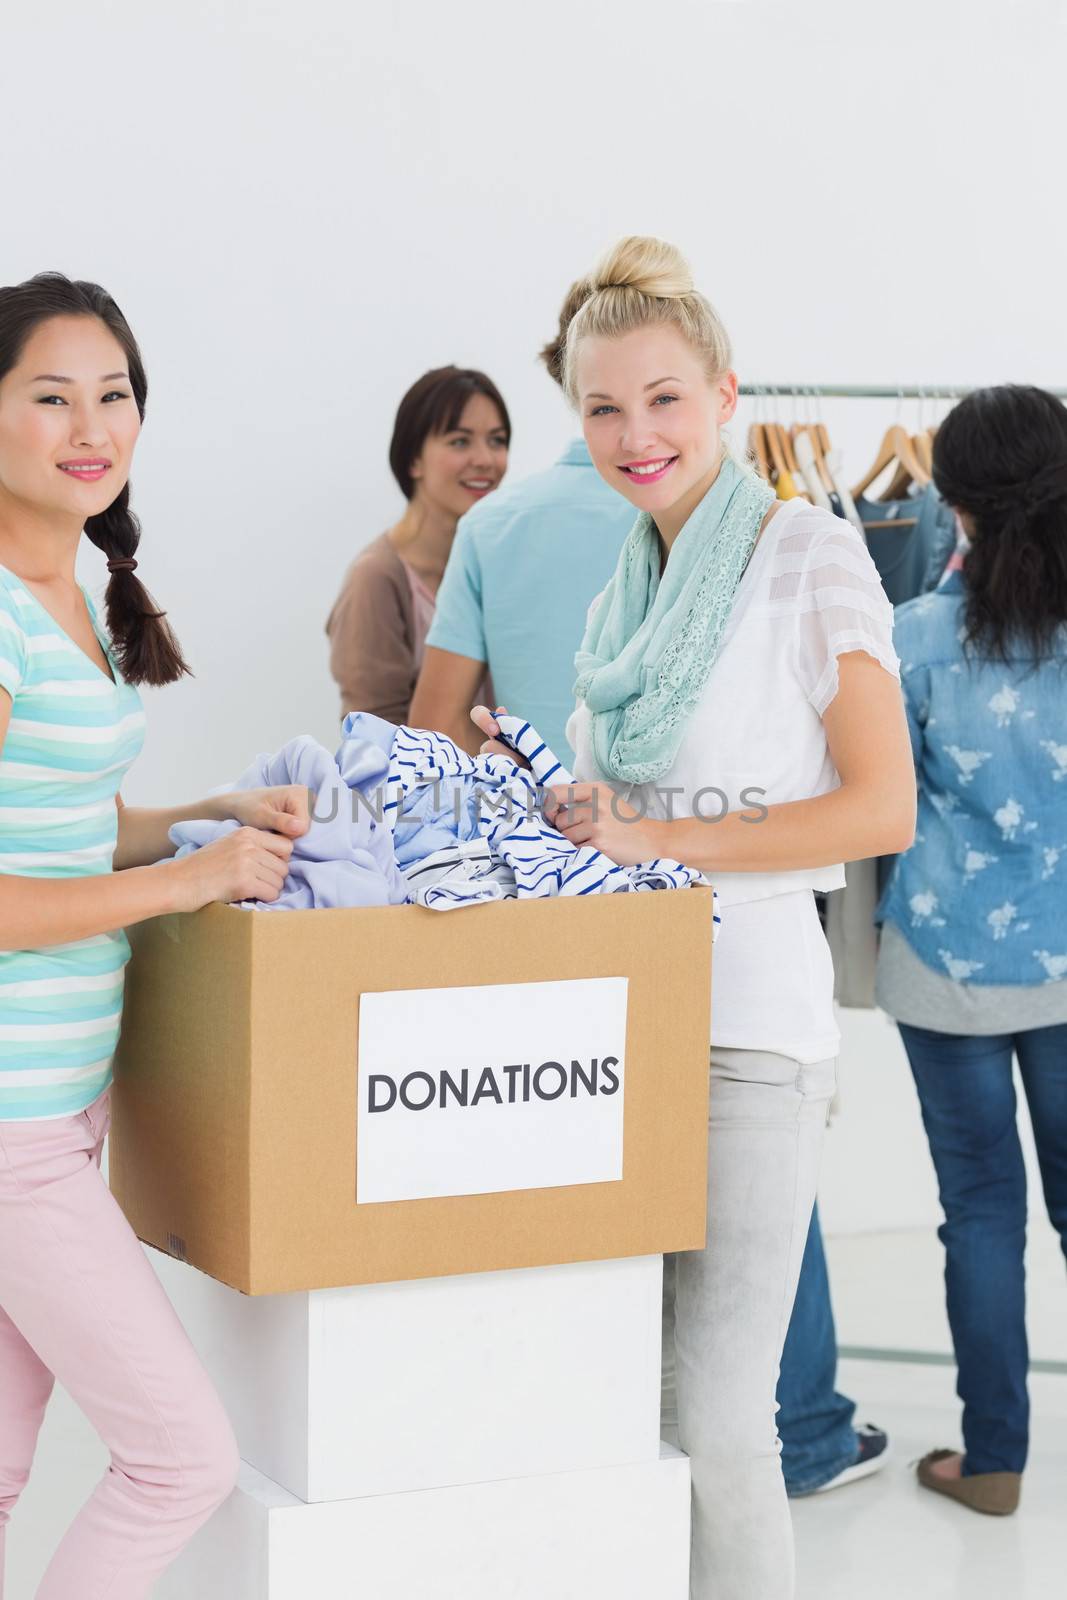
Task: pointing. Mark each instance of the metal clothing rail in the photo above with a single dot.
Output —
(864, 391)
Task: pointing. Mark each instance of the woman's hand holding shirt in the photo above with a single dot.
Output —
(585, 813)
(251, 863)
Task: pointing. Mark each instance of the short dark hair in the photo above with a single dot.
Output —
(1001, 456)
(435, 405)
(552, 353)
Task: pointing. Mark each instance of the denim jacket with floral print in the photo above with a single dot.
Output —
(982, 894)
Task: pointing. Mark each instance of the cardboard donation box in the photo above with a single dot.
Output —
(308, 1099)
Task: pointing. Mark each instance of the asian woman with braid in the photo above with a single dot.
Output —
(79, 1301)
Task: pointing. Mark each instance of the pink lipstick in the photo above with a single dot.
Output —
(88, 469)
(648, 471)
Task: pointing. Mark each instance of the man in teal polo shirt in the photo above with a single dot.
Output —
(526, 562)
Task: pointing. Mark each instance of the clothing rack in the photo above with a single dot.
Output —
(864, 391)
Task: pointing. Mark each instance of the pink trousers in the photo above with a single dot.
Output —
(80, 1302)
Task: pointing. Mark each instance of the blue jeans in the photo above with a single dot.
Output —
(814, 1421)
(967, 1093)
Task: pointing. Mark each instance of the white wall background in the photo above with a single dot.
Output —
(302, 207)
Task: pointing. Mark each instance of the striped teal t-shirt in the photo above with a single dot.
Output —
(72, 735)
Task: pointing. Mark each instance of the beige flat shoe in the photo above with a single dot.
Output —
(996, 1494)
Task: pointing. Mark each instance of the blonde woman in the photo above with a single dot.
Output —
(739, 709)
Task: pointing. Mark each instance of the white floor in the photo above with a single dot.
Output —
(884, 1538)
(880, 1539)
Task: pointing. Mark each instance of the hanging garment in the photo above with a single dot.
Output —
(910, 542)
(848, 922)
(841, 491)
(908, 539)
(804, 451)
(345, 859)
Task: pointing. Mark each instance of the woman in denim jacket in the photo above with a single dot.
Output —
(973, 963)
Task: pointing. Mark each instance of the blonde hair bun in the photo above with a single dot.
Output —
(650, 266)
(643, 282)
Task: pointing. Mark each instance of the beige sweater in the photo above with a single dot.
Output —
(375, 651)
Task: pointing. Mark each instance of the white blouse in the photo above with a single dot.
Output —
(810, 593)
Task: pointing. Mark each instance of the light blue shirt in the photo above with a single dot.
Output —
(982, 894)
(524, 567)
(74, 731)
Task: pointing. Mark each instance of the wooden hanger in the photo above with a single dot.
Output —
(772, 434)
(903, 478)
(896, 447)
(791, 462)
(898, 486)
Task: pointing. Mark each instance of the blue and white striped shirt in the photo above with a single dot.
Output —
(503, 807)
(72, 734)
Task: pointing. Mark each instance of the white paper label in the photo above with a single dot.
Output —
(490, 1088)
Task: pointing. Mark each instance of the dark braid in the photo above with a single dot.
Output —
(144, 645)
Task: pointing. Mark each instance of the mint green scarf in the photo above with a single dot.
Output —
(653, 640)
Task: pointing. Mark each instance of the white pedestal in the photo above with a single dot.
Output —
(390, 1388)
(619, 1533)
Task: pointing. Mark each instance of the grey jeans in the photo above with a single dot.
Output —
(726, 1312)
